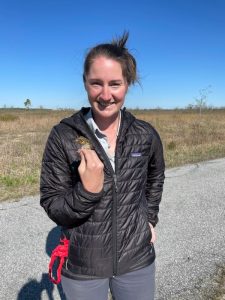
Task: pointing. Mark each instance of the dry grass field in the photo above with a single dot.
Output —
(187, 136)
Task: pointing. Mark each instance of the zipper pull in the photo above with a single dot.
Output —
(115, 182)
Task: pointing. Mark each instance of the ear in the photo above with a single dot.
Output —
(84, 81)
(127, 87)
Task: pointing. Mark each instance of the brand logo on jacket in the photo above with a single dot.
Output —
(136, 154)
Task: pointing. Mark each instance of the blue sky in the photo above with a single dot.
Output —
(179, 46)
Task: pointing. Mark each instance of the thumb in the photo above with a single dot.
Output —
(82, 165)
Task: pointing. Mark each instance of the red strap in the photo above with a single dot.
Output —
(61, 252)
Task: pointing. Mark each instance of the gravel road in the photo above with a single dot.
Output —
(190, 246)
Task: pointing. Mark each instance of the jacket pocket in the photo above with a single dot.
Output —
(72, 245)
(146, 226)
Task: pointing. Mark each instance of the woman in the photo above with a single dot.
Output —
(106, 197)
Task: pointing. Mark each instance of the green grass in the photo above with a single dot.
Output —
(10, 181)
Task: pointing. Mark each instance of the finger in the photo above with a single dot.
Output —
(153, 239)
(91, 157)
(89, 153)
(82, 165)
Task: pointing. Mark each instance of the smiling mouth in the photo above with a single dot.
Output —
(105, 104)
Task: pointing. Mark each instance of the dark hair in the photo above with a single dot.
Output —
(115, 50)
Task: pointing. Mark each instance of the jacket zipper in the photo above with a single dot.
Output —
(114, 226)
(115, 190)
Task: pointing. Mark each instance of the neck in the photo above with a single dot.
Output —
(105, 124)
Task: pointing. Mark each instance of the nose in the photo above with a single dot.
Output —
(105, 93)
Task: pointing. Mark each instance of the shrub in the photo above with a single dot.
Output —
(8, 117)
(171, 145)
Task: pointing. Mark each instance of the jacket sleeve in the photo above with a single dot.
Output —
(155, 179)
(65, 201)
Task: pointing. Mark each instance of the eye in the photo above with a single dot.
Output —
(95, 83)
(115, 85)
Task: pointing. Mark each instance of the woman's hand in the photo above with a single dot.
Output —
(91, 171)
(153, 233)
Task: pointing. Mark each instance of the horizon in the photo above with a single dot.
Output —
(189, 107)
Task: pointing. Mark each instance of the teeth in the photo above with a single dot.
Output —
(105, 104)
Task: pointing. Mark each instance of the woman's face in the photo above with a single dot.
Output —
(106, 87)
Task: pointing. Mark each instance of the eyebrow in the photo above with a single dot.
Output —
(111, 81)
(116, 81)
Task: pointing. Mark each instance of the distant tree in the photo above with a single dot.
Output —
(201, 100)
(190, 107)
(27, 103)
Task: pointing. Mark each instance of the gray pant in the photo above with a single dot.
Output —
(135, 285)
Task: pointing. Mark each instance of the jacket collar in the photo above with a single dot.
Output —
(77, 121)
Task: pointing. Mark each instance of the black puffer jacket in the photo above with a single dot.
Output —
(109, 231)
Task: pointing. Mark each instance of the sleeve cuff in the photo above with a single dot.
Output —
(89, 195)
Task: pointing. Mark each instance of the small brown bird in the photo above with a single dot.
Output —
(83, 143)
